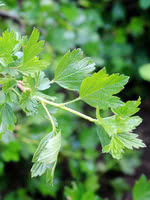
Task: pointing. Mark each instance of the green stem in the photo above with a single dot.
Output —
(52, 81)
(69, 102)
(67, 109)
(49, 115)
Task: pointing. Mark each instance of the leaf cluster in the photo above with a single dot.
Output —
(22, 79)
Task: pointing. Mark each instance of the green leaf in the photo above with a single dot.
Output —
(122, 141)
(72, 69)
(128, 109)
(33, 65)
(116, 147)
(50, 152)
(141, 190)
(7, 83)
(145, 72)
(119, 127)
(50, 172)
(45, 157)
(28, 103)
(7, 118)
(130, 140)
(32, 48)
(8, 42)
(115, 124)
(41, 146)
(42, 83)
(38, 169)
(98, 90)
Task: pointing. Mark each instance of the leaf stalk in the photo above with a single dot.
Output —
(67, 109)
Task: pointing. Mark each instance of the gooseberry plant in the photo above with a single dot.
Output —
(22, 81)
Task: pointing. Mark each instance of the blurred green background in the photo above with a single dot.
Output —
(116, 34)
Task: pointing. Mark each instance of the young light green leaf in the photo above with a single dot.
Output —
(130, 140)
(50, 152)
(128, 109)
(122, 141)
(50, 172)
(41, 146)
(38, 169)
(72, 69)
(7, 118)
(98, 90)
(45, 157)
(115, 124)
(141, 190)
(8, 42)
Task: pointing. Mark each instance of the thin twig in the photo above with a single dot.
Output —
(67, 109)
(50, 117)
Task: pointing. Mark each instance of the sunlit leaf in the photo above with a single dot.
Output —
(98, 90)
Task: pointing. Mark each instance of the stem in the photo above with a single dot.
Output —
(69, 102)
(68, 109)
(50, 117)
(52, 81)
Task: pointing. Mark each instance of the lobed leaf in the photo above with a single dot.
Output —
(122, 141)
(128, 109)
(33, 47)
(130, 140)
(115, 124)
(72, 69)
(98, 90)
